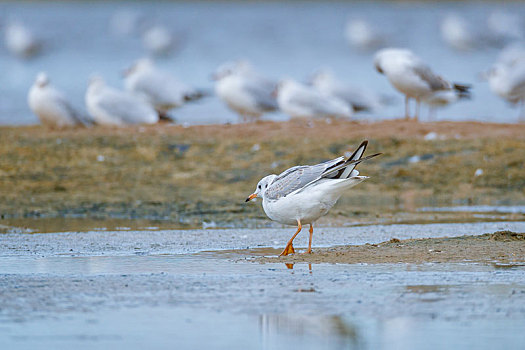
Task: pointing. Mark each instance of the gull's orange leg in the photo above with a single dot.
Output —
(289, 247)
(309, 251)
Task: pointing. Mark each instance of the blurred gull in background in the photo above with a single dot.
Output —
(51, 106)
(457, 33)
(125, 22)
(505, 26)
(159, 88)
(20, 41)
(362, 35)
(158, 40)
(360, 99)
(507, 79)
(301, 101)
(244, 90)
(412, 77)
(109, 106)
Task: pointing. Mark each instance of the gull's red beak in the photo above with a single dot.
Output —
(250, 197)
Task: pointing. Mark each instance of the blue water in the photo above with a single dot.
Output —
(282, 40)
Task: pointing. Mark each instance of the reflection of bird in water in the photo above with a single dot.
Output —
(328, 327)
(51, 106)
(159, 88)
(109, 106)
(301, 101)
(244, 90)
(302, 194)
(412, 77)
(443, 98)
(20, 41)
(362, 35)
(360, 99)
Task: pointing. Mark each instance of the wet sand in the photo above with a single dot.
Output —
(505, 248)
(101, 289)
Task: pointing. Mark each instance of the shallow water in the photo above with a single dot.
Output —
(290, 39)
(165, 289)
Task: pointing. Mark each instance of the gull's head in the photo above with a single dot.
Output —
(262, 186)
(95, 82)
(391, 57)
(42, 79)
(284, 85)
(322, 77)
(140, 65)
(230, 68)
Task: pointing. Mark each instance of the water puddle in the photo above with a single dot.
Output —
(514, 209)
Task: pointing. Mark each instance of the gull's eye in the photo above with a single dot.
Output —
(259, 186)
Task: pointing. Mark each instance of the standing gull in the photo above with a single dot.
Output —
(51, 106)
(159, 88)
(301, 101)
(360, 99)
(109, 106)
(507, 80)
(412, 77)
(20, 41)
(302, 194)
(244, 90)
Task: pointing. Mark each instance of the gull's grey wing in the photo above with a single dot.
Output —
(297, 177)
(262, 89)
(434, 81)
(80, 118)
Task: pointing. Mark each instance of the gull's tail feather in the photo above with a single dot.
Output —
(344, 168)
(462, 90)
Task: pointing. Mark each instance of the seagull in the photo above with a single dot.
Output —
(20, 41)
(159, 88)
(412, 77)
(456, 32)
(301, 101)
(302, 194)
(110, 106)
(158, 40)
(507, 80)
(244, 90)
(362, 35)
(360, 99)
(51, 106)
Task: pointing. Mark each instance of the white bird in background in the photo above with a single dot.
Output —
(361, 34)
(412, 77)
(304, 193)
(360, 99)
(51, 106)
(158, 40)
(159, 88)
(20, 41)
(109, 106)
(301, 101)
(457, 33)
(506, 26)
(244, 90)
(125, 22)
(507, 80)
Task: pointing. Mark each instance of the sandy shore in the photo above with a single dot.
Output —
(503, 247)
(188, 176)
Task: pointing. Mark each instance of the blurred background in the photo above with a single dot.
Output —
(77, 39)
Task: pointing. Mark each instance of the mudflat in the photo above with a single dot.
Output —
(204, 173)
